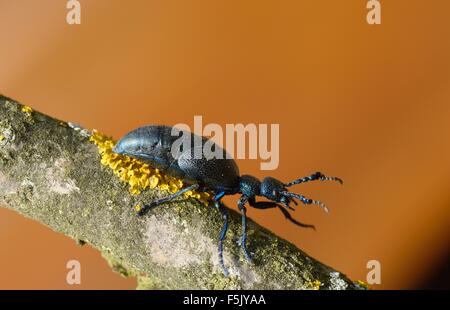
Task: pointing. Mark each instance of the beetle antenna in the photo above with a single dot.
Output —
(325, 178)
(313, 177)
(305, 200)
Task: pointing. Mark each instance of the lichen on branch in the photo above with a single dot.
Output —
(68, 179)
(139, 175)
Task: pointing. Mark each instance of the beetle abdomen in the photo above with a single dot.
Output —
(221, 174)
(153, 145)
(150, 144)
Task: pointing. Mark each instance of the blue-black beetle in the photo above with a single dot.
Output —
(154, 144)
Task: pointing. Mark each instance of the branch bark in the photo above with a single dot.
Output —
(51, 172)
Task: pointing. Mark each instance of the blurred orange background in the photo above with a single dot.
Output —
(369, 103)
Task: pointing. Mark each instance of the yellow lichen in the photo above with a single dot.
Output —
(27, 109)
(362, 283)
(315, 285)
(2, 137)
(138, 174)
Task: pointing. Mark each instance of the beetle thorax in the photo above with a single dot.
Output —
(249, 186)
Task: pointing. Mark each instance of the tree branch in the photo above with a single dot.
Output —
(51, 172)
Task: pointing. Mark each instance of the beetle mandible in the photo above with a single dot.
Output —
(153, 144)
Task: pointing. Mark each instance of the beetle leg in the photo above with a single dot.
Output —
(313, 177)
(287, 215)
(167, 198)
(219, 205)
(243, 240)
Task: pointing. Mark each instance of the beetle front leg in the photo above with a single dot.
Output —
(243, 240)
(269, 205)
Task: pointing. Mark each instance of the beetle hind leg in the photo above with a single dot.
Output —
(157, 202)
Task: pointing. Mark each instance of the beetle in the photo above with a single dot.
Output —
(155, 145)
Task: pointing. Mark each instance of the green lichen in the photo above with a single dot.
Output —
(147, 283)
(119, 266)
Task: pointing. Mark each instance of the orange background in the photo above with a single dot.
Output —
(370, 104)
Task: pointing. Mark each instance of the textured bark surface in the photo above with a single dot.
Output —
(51, 172)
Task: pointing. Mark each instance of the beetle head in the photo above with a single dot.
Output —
(270, 188)
(276, 190)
